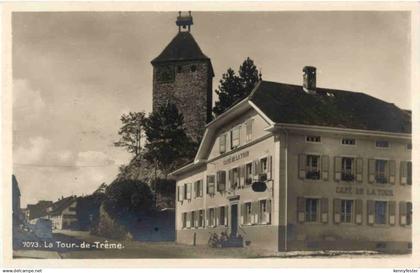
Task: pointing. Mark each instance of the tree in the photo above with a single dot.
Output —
(131, 132)
(234, 88)
(168, 145)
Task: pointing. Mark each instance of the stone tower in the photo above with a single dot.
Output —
(183, 75)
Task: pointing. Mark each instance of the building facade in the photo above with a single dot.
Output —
(299, 168)
(63, 213)
(183, 75)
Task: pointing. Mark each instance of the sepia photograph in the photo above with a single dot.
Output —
(211, 134)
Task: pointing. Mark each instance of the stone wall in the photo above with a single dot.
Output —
(191, 91)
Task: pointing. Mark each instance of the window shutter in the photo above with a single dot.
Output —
(359, 170)
(337, 211)
(371, 170)
(257, 168)
(391, 212)
(241, 176)
(325, 167)
(243, 207)
(207, 184)
(392, 171)
(189, 219)
(195, 190)
(256, 213)
(324, 210)
(409, 172)
(403, 213)
(230, 180)
(269, 167)
(189, 186)
(269, 211)
(259, 212)
(178, 193)
(223, 178)
(359, 211)
(200, 188)
(207, 216)
(403, 172)
(226, 215)
(387, 170)
(301, 209)
(217, 216)
(218, 179)
(337, 168)
(181, 192)
(302, 166)
(371, 212)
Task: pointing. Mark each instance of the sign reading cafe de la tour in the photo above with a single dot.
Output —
(289, 167)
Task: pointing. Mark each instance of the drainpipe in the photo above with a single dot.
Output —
(286, 134)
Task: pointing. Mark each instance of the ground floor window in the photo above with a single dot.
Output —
(380, 212)
(311, 209)
(200, 218)
(193, 214)
(248, 213)
(184, 220)
(409, 213)
(222, 215)
(212, 219)
(346, 211)
(264, 211)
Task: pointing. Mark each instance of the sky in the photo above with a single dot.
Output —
(75, 73)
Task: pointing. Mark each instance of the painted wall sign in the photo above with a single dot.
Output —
(361, 191)
(235, 157)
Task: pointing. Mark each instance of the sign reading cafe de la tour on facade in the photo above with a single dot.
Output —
(290, 167)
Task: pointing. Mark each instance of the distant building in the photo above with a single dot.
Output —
(300, 167)
(63, 213)
(38, 210)
(15, 196)
(183, 75)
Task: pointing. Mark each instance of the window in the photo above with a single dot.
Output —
(185, 192)
(198, 188)
(312, 166)
(380, 212)
(248, 213)
(409, 213)
(235, 178)
(184, 220)
(248, 174)
(346, 211)
(313, 139)
(311, 210)
(210, 185)
(347, 169)
(193, 68)
(222, 214)
(264, 212)
(222, 143)
(382, 144)
(179, 69)
(348, 141)
(192, 219)
(212, 221)
(200, 218)
(409, 146)
(380, 171)
(409, 173)
(249, 130)
(221, 181)
(235, 137)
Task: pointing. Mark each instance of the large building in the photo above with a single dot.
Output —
(63, 213)
(300, 167)
(183, 75)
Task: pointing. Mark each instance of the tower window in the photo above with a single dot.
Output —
(193, 68)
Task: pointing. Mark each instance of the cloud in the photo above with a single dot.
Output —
(26, 101)
(32, 154)
(93, 158)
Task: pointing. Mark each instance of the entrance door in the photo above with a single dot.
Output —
(234, 219)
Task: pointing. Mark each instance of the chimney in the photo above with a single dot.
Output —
(309, 79)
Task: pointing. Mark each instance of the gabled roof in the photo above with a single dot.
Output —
(286, 103)
(183, 47)
(58, 207)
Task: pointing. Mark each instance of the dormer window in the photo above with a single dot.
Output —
(382, 144)
(313, 139)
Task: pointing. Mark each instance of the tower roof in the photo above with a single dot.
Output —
(183, 47)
